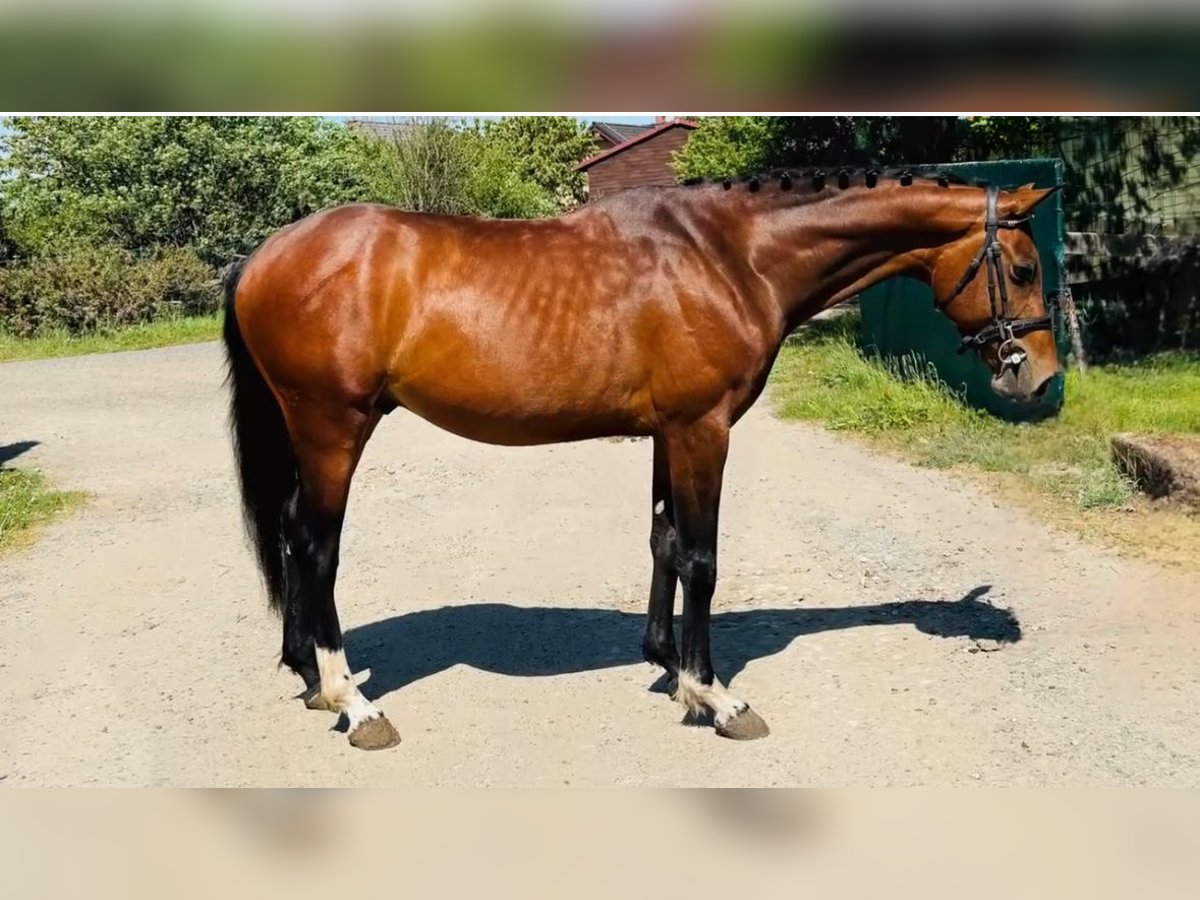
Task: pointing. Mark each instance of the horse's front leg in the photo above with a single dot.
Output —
(696, 455)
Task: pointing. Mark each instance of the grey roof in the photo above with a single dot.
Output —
(615, 131)
(388, 131)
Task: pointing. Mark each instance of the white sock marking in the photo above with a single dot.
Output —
(697, 696)
(339, 689)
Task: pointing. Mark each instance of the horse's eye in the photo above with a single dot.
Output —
(1022, 273)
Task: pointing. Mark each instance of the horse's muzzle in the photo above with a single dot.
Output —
(1017, 379)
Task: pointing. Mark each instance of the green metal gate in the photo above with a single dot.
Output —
(898, 317)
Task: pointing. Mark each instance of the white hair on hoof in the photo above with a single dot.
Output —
(338, 691)
(697, 696)
(732, 717)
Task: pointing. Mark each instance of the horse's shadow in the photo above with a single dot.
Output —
(533, 641)
(10, 452)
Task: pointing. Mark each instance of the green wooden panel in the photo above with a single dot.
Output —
(898, 316)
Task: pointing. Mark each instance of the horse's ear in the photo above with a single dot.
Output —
(1021, 203)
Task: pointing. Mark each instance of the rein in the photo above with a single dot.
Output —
(1004, 328)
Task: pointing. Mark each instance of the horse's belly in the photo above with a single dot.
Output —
(540, 414)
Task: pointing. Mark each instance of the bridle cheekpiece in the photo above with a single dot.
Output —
(1003, 328)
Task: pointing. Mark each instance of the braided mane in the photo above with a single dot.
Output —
(837, 176)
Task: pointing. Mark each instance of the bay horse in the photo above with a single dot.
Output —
(656, 312)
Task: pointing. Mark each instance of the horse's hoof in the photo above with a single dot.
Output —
(314, 699)
(374, 734)
(745, 726)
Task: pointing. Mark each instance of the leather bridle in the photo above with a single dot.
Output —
(1003, 328)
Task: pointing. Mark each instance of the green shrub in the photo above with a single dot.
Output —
(438, 166)
(84, 289)
(217, 184)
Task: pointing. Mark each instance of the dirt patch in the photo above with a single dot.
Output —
(1154, 531)
(1167, 466)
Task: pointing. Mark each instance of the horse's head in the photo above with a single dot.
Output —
(989, 283)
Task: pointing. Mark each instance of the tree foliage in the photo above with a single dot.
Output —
(1005, 137)
(423, 167)
(725, 145)
(107, 220)
(216, 184)
(736, 145)
(440, 166)
(220, 185)
(500, 187)
(546, 150)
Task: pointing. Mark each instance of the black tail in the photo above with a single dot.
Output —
(266, 460)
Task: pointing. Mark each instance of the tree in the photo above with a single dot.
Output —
(726, 146)
(736, 145)
(905, 140)
(546, 150)
(436, 165)
(499, 186)
(1005, 137)
(423, 167)
(218, 185)
(7, 249)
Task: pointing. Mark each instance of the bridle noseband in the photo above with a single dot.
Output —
(1004, 328)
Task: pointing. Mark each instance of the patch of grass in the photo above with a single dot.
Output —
(27, 501)
(163, 333)
(822, 376)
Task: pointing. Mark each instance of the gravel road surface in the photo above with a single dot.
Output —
(894, 626)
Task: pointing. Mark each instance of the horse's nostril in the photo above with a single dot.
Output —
(1040, 390)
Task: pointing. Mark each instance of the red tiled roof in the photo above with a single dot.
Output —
(644, 136)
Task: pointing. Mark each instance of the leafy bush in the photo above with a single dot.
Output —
(217, 184)
(497, 188)
(726, 145)
(735, 145)
(422, 167)
(84, 288)
(438, 166)
(544, 151)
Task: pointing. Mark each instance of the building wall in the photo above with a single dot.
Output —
(647, 163)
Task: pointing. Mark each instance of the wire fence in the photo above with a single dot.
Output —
(1131, 175)
(1133, 202)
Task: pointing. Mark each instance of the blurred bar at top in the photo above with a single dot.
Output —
(649, 54)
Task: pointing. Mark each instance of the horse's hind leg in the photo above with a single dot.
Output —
(327, 449)
(658, 644)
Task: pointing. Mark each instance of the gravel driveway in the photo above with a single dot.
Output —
(892, 625)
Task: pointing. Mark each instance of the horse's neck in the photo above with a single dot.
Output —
(814, 255)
